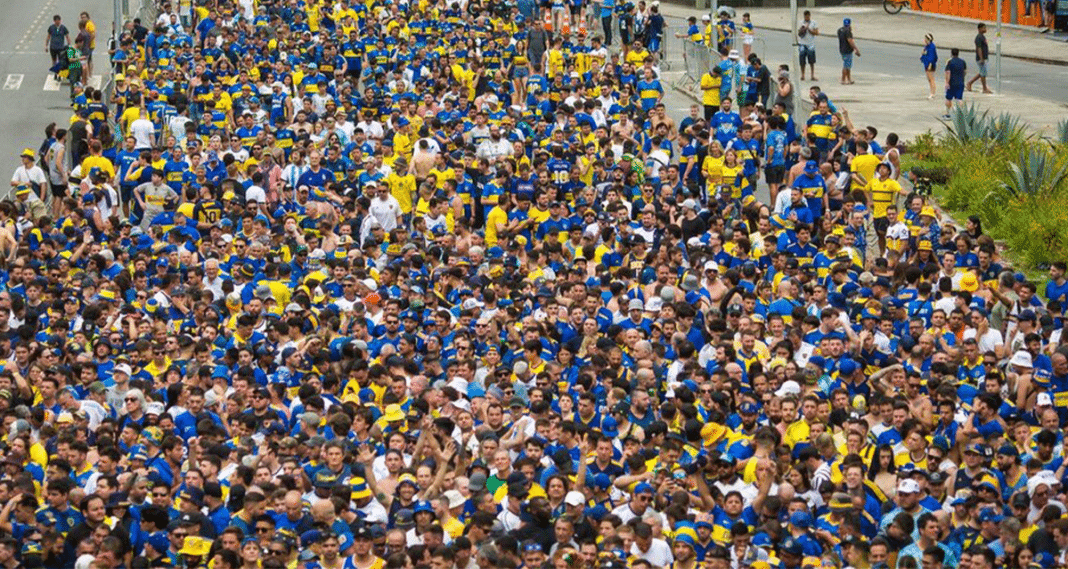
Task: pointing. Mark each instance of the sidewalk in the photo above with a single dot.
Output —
(872, 23)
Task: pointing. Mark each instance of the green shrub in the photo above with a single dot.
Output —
(993, 168)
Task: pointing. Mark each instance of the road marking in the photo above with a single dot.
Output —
(13, 82)
(51, 84)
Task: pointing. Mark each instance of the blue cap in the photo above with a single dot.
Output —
(811, 167)
(847, 367)
(1008, 449)
(422, 506)
(309, 537)
(801, 519)
(990, 515)
(602, 481)
(940, 441)
(609, 427)
(818, 361)
(643, 488)
(159, 541)
(846, 22)
(748, 408)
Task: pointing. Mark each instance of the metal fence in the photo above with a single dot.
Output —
(697, 59)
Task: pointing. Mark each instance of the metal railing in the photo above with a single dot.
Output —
(697, 59)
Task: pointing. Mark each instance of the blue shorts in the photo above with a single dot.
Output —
(982, 68)
(955, 93)
(847, 61)
(807, 54)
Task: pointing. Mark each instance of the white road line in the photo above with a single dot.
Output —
(51, 84)
(13, 82)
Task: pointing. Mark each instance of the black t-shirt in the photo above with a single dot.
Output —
(845, 33)
(956, 68)
(982, 49)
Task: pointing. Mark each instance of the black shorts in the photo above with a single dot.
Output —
(575, 10)
(58, 190)
(881, 225)
(774, 174)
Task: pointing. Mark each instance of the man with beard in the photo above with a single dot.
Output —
(537, 525)
(495, 147)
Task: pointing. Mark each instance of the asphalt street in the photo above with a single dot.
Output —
(25, 104)
(29, 101)
(900, 62)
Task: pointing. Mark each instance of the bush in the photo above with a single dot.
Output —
(1016, 183)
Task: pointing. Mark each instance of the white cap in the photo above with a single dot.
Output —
(454, 497)
(462, 404)
(154, 408)
(459, 384)
(711, 265)
(574, 498)
(788, 387)
(635, 304)
(370, 284)
(908, 486)
(471, 304)
(733, 54)
(122, 368)
(706, 18)
(1043, 399)
(1022, 358)
(654, 304)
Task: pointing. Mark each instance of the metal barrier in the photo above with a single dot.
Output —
(697, 60)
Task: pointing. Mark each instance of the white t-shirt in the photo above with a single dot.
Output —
(255, 193)
(144, 134)
(659, 554)
(988, 342)
(386, 211)
(33, 175)
(808, 40)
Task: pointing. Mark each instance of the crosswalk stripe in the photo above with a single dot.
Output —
(13, 81)
(51, 84)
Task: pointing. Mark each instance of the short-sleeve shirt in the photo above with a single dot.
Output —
(809, 39)
(845, 33)
(57, 36)
(956, 68)
(982, 49)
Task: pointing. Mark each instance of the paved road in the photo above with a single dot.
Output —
(902, 62)
(25, 104)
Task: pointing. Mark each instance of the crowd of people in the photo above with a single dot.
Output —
(368, 285)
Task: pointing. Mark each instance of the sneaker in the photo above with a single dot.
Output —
(947, 117)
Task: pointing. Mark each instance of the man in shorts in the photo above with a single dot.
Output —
(87, 49)
(58, 38)
(956, 68)
(848, 48)
(982, 54)
(806, 44)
